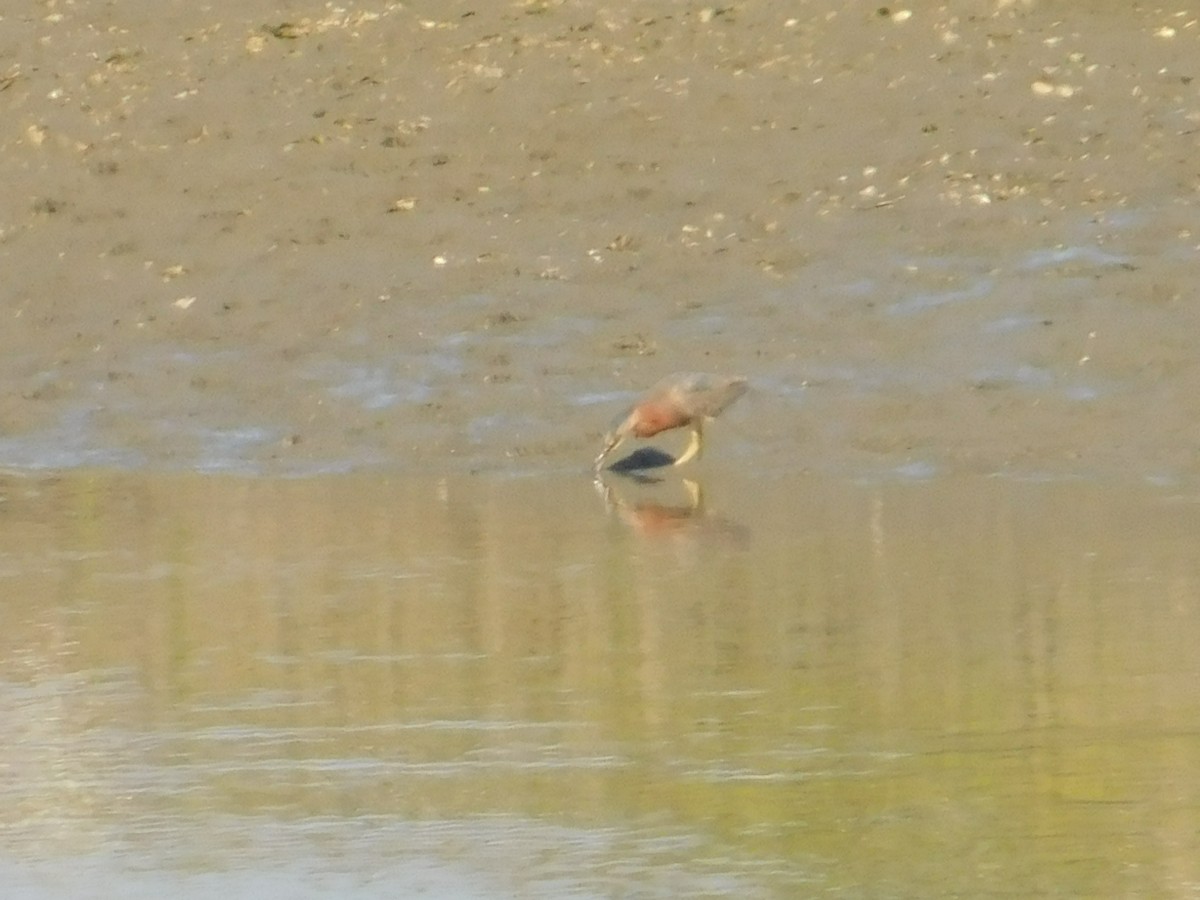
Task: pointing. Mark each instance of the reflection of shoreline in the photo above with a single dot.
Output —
(188, 654)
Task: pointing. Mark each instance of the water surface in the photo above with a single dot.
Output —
(482, 686)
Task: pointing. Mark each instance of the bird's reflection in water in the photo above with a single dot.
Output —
(655, 507)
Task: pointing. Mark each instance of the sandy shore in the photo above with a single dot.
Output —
(304, 237)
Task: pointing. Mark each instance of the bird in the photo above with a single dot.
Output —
(685, 398)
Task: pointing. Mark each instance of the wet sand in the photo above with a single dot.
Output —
(447, 236)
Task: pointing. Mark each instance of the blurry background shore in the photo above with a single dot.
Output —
(312, 237)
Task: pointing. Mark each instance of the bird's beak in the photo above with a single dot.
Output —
(611, 442)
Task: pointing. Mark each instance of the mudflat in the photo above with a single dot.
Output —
(290, 237)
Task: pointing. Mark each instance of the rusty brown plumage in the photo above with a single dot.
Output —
(685, 399)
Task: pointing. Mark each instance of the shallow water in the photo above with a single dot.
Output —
(480, 686)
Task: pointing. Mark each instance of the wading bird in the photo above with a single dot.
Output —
(685, 398)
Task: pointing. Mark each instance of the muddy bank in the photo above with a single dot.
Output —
(296, 238)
